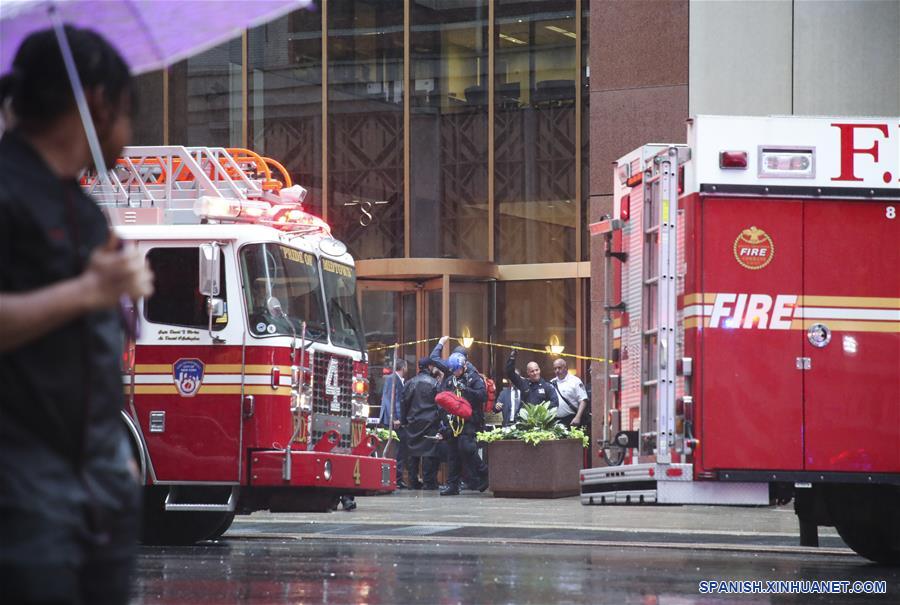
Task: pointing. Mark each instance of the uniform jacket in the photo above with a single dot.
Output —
(420, 414)
(531, 392)
(469, 386)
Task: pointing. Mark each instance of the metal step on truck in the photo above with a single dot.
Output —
(245, 373)
(753, 324)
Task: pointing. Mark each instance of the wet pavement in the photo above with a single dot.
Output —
(419, 548)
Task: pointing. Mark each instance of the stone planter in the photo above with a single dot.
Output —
(548, 470)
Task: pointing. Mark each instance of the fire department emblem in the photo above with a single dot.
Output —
(188, 376)
(753, 248)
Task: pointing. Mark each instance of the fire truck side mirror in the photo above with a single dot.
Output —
(210, 266)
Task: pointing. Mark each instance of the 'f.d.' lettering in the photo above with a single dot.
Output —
(848, 151)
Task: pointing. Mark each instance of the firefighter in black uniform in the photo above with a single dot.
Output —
(421, 417)
(462, 378)
(69, 496)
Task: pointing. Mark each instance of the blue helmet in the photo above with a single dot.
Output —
(456, 362)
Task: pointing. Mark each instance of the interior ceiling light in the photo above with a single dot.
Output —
(560, 30)
(511, 39)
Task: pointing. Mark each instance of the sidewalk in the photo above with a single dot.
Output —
(417, 514)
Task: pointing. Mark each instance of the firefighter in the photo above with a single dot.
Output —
(462, 378)
(535, 389)
(421, 417)
(69, 495)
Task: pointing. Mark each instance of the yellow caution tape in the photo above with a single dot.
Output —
(402, 344)
(489, 344)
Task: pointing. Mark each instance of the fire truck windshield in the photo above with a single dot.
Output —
(343, 310)
(292, 277)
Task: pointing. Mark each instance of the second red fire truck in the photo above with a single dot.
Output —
(246, 376)
(753, 324)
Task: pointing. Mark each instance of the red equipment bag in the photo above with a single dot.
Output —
(491, 394)
(453, 404)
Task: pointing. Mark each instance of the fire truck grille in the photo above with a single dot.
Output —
(332, 384)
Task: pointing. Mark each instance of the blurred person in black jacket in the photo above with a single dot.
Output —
(422, 418)
(69, 495)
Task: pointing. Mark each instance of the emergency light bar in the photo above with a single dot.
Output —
(287, 217)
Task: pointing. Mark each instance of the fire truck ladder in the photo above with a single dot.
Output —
(638, 482)
(659, 295)
(161, 184)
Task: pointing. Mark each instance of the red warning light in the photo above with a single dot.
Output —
(625, 207)
(733, 159)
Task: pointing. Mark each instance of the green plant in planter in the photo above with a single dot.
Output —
(382, 434)
(537, 423)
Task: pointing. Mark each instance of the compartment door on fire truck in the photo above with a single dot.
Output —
(187, 387)
(750, 391)
(850, 332)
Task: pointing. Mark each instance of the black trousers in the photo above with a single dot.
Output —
(566, 420)
(402, 453)
(429, 467)
(464, 453)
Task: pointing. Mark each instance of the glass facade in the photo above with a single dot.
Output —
(534, 131)
(365, 126)
(449, 134)
(205, 98)
(411, 91)
(423, 130)
(284, 97)
(469, 310)
(535, 315)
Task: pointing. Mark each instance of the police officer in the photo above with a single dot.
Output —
(461, 377)
(535, 389)
(69, 497)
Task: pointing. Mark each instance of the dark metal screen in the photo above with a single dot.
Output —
(332, 398)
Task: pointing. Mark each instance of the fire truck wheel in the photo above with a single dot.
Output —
(168, 528)
(870, 541)
(867, 517)
(227, 520)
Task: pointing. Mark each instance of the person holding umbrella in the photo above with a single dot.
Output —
(69, 496)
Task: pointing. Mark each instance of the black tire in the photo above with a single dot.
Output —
(161, 527)
(227, 520)
(867, 517)
(870, 540)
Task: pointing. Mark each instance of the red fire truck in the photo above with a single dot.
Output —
(753, 324)
(246, 373)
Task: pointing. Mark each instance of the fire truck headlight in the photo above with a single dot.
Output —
(326, 470)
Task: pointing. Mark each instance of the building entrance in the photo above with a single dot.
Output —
(398, 312)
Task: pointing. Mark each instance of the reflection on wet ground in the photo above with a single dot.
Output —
(253, 569)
